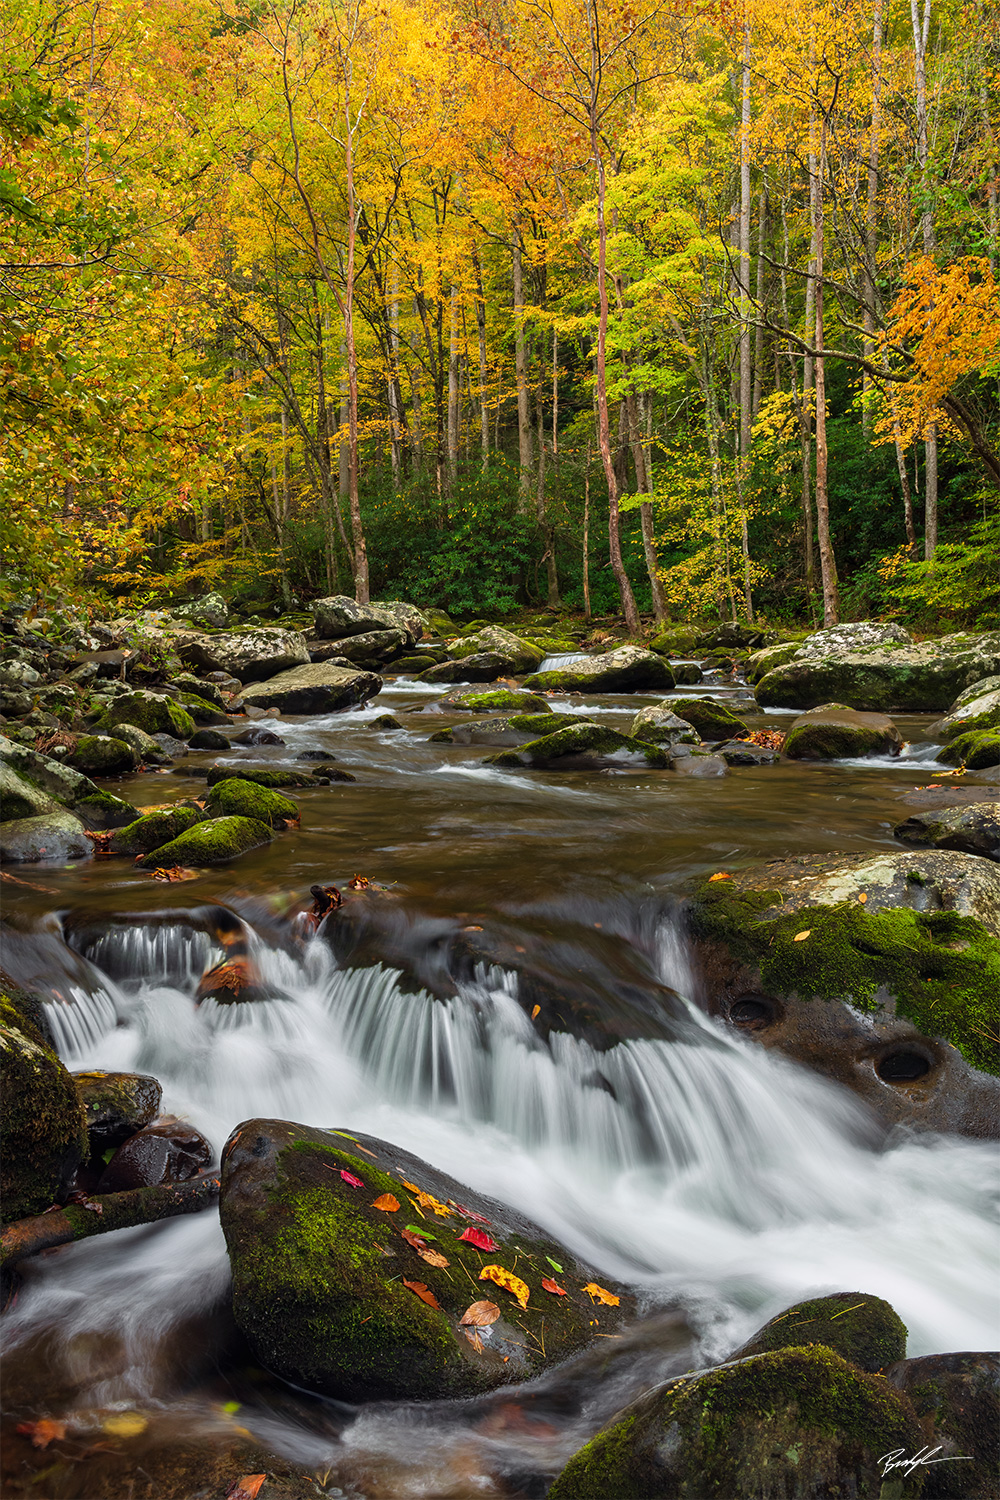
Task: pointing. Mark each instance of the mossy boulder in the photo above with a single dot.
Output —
(44, 1132)
(319, 688)
(103, 755)
(800, 1423)
(981, 711)
(759, 663)
(974, 829)
(319, 1272)
(627, 669)
(582, 747)
(146, 748)
(100, 810)
(20, 798)
(841, 734)
(482, 666)
(883, 678)
(713, 721)
(864, 1330)
(416, 662)
(116, 1105)
(505, 731)
(201, 710)
(213, 843)
(153, 712)
(279, 776)
(658, 724)
(675, 640)
(516, 655)
(154, 830)
(245, 799)
(338, 616)
(957, 1401)
(977, 750)
(199, 687)
(496, 701)
(52, 838)
(252, 654)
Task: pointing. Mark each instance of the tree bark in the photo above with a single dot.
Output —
(921, 33)
(524, 443)
(827, 560)
(116, 1211)
(484, 411)
(453, 391)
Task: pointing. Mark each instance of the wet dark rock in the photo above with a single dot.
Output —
(743, 753)
(211, 739)
(323, 755)
(116, 1105)
(698, 763)
(328, 773)
(957, 1401)
(258, 734)
(168, 1150)
(43, 1131)
(384, 721)
(583, 746)
(238, 798)
(713, 721)
(841, 734)
(484, 666)
(52, 837)
(686, 673)
(627, 669)
(974, 829)
(864, 1330)
(215, 842)
(102, 755)
(273, 776)
(319, 1273)
(317, 688)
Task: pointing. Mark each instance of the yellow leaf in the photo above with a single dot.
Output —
(863, 897)
(599, 1294)
(721, 876)
(508, 1281)
(534, 1013)
(800, 937)
(125, 1424)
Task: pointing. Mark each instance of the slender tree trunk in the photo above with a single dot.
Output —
(394, 392)
(361, 592)
(871, 215)
(525, 447)
(827, 560)
(484, 411)
(644, 487)
(746, 393)
(809, 372)
(758, 359)
(586, 537)
(453, 392)
(921, 33)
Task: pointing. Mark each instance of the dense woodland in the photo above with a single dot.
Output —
(625, 305)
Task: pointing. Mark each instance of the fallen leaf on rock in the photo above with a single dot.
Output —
(358, 883)
(800, 937)
(246, 1488)
(863, 897)
(423, 1291)
(413, 1239)
(479, 1239)
(433, 1258)
(418, 1229)
(350, 1178)
(600, 1294)
(428, 1200)
(470, 1213)
(535, 1011)
(480, 1315)
(508, 1281)
(387, 1203)
(43, 1432)
(720, 876)
(554, 1264)
(125, 1424)
(553, 1287)
(475, 1340)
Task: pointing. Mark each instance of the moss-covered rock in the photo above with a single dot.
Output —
(980, 711)
(496, 701)
(713, 721)
(974, 829)
(147, 750)
(759, 663)
(245, 799)
(52, 838)
(212, 843)
(153, 712)
(977, 750)
(100, 810)
(44, 1132)
(675, 640)
(416, 662)
(279, 776)
(103, 755)
(582, 746)
(20, 798)
(320, 1273)
(883, 678)
(957, 1401)
(515, 654)
(799, 1423)
(200, 687)
(116, 1105)
(864, 1330)
(154, 830)
(841, 734)
(201, 710)
(658, 724)
(627, 669)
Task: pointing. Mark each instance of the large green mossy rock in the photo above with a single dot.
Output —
(759, 663)
(201, 709)
(154, 830)
(320, 1274)
(974, 829)
(658, 724)
(864, 1330)
(212, 843)
(515, 654)
(676, 640)
(43, 1130)
(103, 755)
(100, 810)
(977, 750)
(497, 701)
(713, 721)
(582, 746)
(900, 677)
(20, 798)
(841, 734)
(980, 710)
(628, 669)
(261, 776)
(798, 1424)
(153, 712)
(245, 799)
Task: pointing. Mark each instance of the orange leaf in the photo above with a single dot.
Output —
(433, 1258)
(800, 937)
(534, 1013)
(42, 1433)
(423, 1292)
(387, 1203)
(598, 1294)
(863, 897)
(480, 1315)
(246, 1488)
(553, 1287)
(508, 1281)
(413, 1239)
(720, 876)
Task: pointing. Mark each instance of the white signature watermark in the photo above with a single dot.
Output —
(896, 1459)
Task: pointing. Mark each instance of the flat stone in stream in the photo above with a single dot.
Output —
(974, 829)
(319, 688)
(583, 746)
(336, 1293)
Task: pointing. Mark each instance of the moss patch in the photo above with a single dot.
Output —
(104, 810)
(212, 843)
(245, 799)
(44, 1131)
(978, 750)
(862, 1329)
(711, 720)
(261, 777)
(154, 830)
(499, 700)
(580, 739)
(153, 712)
(97, 755)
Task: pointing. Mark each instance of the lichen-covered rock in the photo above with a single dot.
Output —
(657, 724)
(627, 669)
(245, 799)
(214, 739)
(52, 837)
(103, 755)
(799, 1423)
(957, 1401)
(881, 972)
(339, 616)
(497, 701)
(858, 635)
(982, 711)
(277, 776)
(985, 685)
(154, 830)
(212, 843)
(147, 750)
(320, 1272)
(116, 1105)
(516, 654)
(582, 746)
(483, 666)
(977, 750)
(372, 649)
(43, 1131)
(210, 610)
(153, 712)
(907, 678)
(974, 829)
(252, 654)
(864, 1330)
(65, 786)
(713, 721)
(735, 635)
(318, 688)
(761, 662)
(841, 734)
(19, 798)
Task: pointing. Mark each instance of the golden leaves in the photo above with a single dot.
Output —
(601, 1294)
(428, 1200)
(510, 1283)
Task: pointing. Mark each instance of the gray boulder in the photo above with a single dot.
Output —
(340, 616)
(582, 746)
(147, 749)
(841, 734)
(860, 635)
(627, 669)
(317, 688)
(516, 655)
(53, 837)
(372, 649)
(102, 755)
(657, 724)
(252, 654)
(974, 829)
(20, 798)
(980, 710)
(211, 610)
(901, 677)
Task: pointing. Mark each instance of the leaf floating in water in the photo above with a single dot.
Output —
(42, 1433)
(125, 1424)
(554, 1264)
(176, 872)
(480, 1315)
(413, 1239)
(349, 1177)
(722, 875)
(434, 1258)
(358, 883)
(508, 1281)
(554, 1287)
(387, 1203)
(247, 1488)
(479, 1239)
(800, 937)
(420, 1289)
(600, 1294)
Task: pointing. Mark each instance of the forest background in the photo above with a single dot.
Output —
(616, 304)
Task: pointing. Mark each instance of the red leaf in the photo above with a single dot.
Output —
(469, 1213)
(552, 1286)
(423, 1291)
(354, 1181)
(413, 1239)
(479, 1239)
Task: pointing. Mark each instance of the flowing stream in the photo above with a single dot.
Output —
(722, 1181)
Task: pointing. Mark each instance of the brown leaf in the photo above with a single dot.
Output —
(246, 1488)
(387, 1203)
(413, 1239)
(422, 1291)
(534, 1013)
(358, 883)
(474, 1340)
(43, 1432)
(480, 1315)
(175, 873)
(433, 1258)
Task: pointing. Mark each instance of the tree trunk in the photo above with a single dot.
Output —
(357, 530)
(871, 215)
(586, 537)
(921, 32)
(524, 443)
(394, 392)
(453, 391)
(827, 561)
(110, 1211)
(484, 411)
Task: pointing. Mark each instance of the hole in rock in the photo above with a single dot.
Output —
(903, 1066)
